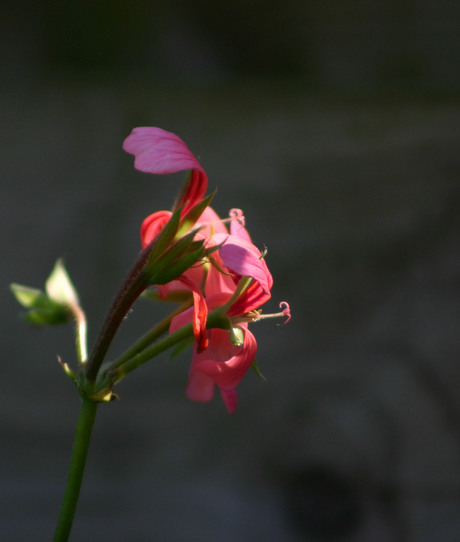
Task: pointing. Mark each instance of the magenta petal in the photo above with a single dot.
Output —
(159, 151)
(243, 258)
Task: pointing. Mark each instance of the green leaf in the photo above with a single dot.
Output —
(59, 287)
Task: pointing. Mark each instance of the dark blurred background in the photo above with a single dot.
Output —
(335, 126)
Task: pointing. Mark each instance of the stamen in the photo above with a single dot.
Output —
(234, 214)
(256, 315)
(237, 214)
(286, 311)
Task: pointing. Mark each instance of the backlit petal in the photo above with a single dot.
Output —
(230, 398)
(245, 259)
(200, 387)
(228, 374)
(152, 226)
(158, 151)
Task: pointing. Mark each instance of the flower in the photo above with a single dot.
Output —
(229, 354)
(231, 277)
(239, 280)
(222, 362)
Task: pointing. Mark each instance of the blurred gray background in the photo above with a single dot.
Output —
(335, 126)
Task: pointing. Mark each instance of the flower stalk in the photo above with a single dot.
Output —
(80, 448)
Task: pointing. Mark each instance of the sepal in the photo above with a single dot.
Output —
(164, 239)
(174, 261)
(191, 217)
(256, 369)
(237, 336)
(42, 309)
(59, 287)
(68, 371)
(55, 305)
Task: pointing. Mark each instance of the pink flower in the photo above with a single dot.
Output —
(222, 363)
(233, 272)
(225, 362)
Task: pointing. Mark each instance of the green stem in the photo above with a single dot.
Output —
(142, 357)
(77, 466)
(121, 368)
(80, 333)
(151, 336)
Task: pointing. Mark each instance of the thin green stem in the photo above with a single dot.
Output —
(77, 466)
(142, 357)
(151, 336)
(80, 333)
(216, 319)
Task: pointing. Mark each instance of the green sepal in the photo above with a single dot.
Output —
(180, 248)
(256, 369)
(104, 396)
(194, 214)
(29, 297)
(68, 371)
(54, 317)
(174, 296)
(236, 336)
(183, 190)
(59, 287)
(175, 261)
(180, 266)
(43, 310)
(167, 234)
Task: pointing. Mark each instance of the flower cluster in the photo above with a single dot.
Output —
(231, 277)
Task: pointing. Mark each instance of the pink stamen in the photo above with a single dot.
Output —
(237, 214)
(286, 311)
(256, 315)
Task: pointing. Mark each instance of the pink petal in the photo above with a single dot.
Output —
(200, 387)
(212, 222)
(152, 226)
(159, 151)
(244, 258)
(252, 298)
(237, 225)
(227, 374)
(230, 398)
